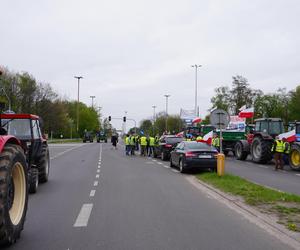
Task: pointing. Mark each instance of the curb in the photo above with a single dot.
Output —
(266, 222)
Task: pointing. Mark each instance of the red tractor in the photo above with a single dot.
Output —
(259, 141)
(24, 162)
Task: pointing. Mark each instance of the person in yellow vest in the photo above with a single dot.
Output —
(287, 150)
(132, 144)
(278, 150)
(199, 138)
(216, 141)
(151, 145)
(127, 144)
(143, 143)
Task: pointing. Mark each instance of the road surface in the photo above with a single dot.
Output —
(97, 198)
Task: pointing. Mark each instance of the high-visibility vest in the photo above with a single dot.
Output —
(188, 139)
(151, 141)
(199, 138)
(279, 146)
(287, 147)
(216, 142)
(143, 141)
(127, 141)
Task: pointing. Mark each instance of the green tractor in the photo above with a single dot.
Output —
(101, 136)
(294, 156)
(260, 140)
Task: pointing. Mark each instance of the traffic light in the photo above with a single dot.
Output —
(109, 118)
(124, 119)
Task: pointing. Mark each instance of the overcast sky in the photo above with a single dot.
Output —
(132, 52)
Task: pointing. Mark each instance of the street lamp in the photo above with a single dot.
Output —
(167, 96)
(77, 124)
(196, 66)
(153, 118)
(92, 96)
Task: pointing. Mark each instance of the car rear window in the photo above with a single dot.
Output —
(172, 140)
(198, 145)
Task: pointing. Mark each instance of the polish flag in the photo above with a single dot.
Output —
(242, 108)
(197, 120)
(290, 136)
(207, 138)
(247, 113)
(179, 134)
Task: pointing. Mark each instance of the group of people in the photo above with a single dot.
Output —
(143, 143)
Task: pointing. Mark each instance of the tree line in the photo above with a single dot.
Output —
(282, 103)
(24, 94)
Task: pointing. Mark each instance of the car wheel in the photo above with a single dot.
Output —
(181, 167)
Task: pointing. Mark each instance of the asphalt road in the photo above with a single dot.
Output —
(98, 198)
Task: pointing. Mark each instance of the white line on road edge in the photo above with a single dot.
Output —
(98, 170)
(66, 151)
(84, 215)
(165, 166)
(96, 183)
(254, 216)
(174, 170)
(160, 163)
(97, 176)
(92, 193)
(99, 166)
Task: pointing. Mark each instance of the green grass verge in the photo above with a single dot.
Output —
(252, 193)
(285, 206)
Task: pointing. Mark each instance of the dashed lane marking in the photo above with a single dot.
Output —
(97, 176)
(98, 170)
(96, 183)
(92, 193)
(165, 166)
(174, 170)
(160, 163)
(84, 215)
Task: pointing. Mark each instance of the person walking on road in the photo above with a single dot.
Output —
(132, 144)
(143, 142)
(114, 141)
(287, 149)
(127, 144)
(278, 150)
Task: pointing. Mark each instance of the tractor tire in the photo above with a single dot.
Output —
(239, 152)
(43, 164)
(294, 157)
(13, 193)
(33, 180)
(261, 150)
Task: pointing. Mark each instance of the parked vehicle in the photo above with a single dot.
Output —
(101, 136)
(26, 128)
(294, 156)
(166, 144)
(87, 136)
(259, 141)
(194, 155)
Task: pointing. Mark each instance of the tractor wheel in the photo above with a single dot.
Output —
(261, 150)
(43, 164)
(239, 151)
(14, 193)
(33, 180)
(294, 157)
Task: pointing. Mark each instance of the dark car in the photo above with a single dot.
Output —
(88, 136)
(194, 155)
(166, 144)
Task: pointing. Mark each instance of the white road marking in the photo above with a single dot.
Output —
(92, 193)
(174, 170)
(97, 176)
(96, 183)
(160, 163)
(260, 166)
(99, 166)
(84, 215)
(298, 174)
(154, 160)
(98, 170)
(66, 151)
(165, 166)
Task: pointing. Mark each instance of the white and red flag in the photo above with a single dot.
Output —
(180, 134)
(207, 138)
(247, 113)
(289, 136)
(197, 120)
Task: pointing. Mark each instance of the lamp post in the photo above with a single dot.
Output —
(92, 96)
(196, 66)
(153, 118)
(77, 123)
(167, 96)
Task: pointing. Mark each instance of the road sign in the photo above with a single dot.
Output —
(219, 118)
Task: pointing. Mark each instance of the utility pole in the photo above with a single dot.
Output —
(196, 66)
(92, 96)
(153, 130)
(167, 96)
(77, 123)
